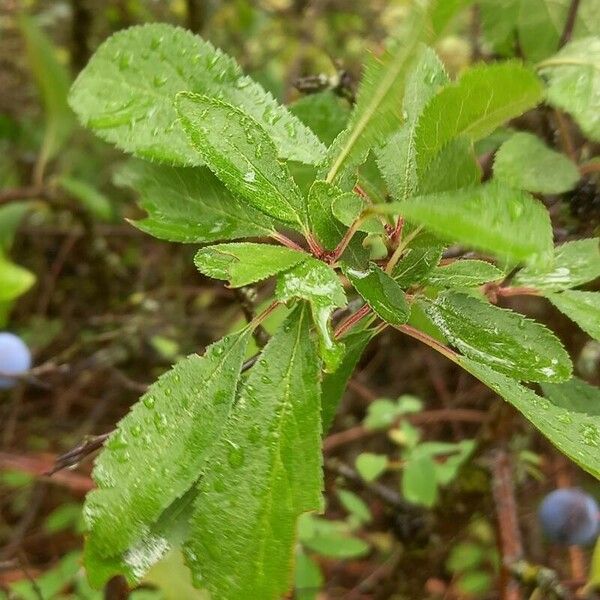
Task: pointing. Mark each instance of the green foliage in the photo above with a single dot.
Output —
(239, 151)
(574, 264)
(266, 471)
(573, 82)
(224, 464)
(525, 162)
(191, 205)
(492, 217)
(245, 263)
(500, 338)
(96, 203)
(484, 98)
(126, 92)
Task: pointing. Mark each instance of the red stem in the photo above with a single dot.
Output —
(285, 241)
(352, 320)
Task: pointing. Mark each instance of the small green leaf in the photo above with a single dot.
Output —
(575, 263)
(370, 466)
(14, 280)
(581, 307)
(378, 109)
(540, 26)
(419, 484)
(245, 262)
(265, 472)
(334, 383)
(239, 151)
(505, 340)
(92, 200)
(397, 159)
(308, 580)
(525, 162)
(318, 284)
(417, 263)
(464, 273)
(492, 217)
(53, 81)
(348, 207)
(444, 11)
(573, 82)
(126, 92)
(576, 434)
(575, 394)
(355, 506)
(324, 225)
(11, 216)
(381, 292)
(330, 538)
(485, 97)
(191, 205)
(159, 448)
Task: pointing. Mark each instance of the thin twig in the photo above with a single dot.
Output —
(570, 23)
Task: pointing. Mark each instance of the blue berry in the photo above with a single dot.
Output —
(15, 359)
(569, 516)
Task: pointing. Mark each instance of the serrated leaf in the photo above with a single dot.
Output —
(417, 263)
(500, 338)
(14, 280)
(53, 81)
(126, 92)
(397, 158)
(318, 284)
(464, 273)
(575, 394)
(245, 262)
(328, 230)
(265, 472)
(492, 217)
(378, 111)
(324, 113)
(238, 150)
(575, 263)
(191, 205)
(525, 162)
(158, 450)
(573, 83)
(581, 307)
(381, 292)
(334, 383)
(574, 433)
(485, 97)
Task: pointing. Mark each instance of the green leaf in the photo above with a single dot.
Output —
(378, 110)
(499, 22)
(397, 159)
(464, 273)
(501, 338)
(96, 203)
(575, 395)
(330, 538)
(328, 230)
(540, 26)
(334, 383)
(443, 12)
(318, 284)
(348, 207)
(453, 168)
(156, 454)
(53, 81)
(381, 292)
(324, 113)
(581, 307)
(308, 580)
(370, 466)
(14, 280)
(245, 262)
(525, 162)
(485, 97)
(491, 217)
(573, 83)
(239, 151)
(576, 434)
(575, 263)
(419, 484)
(11, 216)
(265, 472)
(355, 506)
(417, 263)
(191, 205)
(126, 92)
